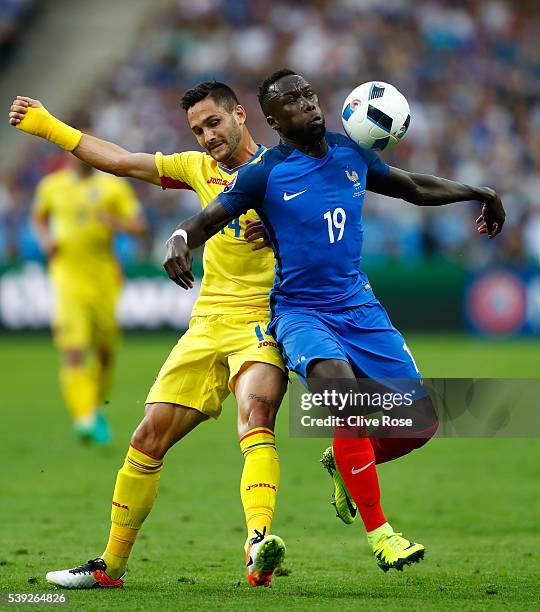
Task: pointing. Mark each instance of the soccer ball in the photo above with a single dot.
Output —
(376, 115)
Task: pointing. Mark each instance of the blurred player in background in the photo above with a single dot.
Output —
(76, 214)
(226, 349)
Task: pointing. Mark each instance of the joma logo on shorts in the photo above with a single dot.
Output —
(267, 343)
(261, 484)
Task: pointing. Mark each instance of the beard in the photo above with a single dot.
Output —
(233, 140)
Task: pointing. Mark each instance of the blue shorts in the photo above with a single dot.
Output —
(363, 336)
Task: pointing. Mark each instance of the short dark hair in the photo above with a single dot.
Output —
(219, 92)
(268, 82)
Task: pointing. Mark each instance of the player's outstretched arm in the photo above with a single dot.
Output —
(111, 158)
(190, 234)
(30, 116)
(427, 190)
(46, 242)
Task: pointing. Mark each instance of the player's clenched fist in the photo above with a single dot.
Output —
(491, 220)
(30, 116)
(256, 234)
(19, 108)
(178, 261)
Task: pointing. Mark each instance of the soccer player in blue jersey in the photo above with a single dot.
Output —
(309, 192)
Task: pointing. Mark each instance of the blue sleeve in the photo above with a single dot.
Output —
(376, 168)
(246, 190)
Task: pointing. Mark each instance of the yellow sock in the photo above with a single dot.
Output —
(260, 479)
(134, 494)
(79, 390)
(102, 376)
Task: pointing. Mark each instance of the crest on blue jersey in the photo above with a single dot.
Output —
(353, 177)
(231, 184)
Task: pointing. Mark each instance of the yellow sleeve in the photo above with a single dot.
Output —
(184, 167)
(127, 205)
(42, 206)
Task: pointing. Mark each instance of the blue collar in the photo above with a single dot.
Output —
(289, 149)
(260, 150)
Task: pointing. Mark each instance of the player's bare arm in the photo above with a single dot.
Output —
(45, 239)
(32, 117)
(198, 230)
(427, 190)
(135, 227)
(111, 158)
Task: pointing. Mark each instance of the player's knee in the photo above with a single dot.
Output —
(150, 437)
(73, 357)
(257, 415)
(329, 368)
(104, 355)
(163, 425)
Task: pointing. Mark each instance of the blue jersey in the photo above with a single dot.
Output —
(312, 211)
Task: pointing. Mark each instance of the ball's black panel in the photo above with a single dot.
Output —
(381, 119)
(380, 143)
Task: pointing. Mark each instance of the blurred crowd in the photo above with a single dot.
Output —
(14, 17)
(471, 72)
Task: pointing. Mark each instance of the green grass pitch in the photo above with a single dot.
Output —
(473, 503)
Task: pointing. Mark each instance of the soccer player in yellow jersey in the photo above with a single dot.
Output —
(76, 214)
(226, 348)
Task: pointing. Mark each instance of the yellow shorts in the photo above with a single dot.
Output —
(201, 368)
(85, 318)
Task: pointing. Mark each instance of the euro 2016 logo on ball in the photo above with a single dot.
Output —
(348, 109)
(376, 115)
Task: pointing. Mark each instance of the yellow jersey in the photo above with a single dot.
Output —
(237, 280)
(77, 209)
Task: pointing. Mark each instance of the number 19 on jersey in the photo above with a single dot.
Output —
(336, 220)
